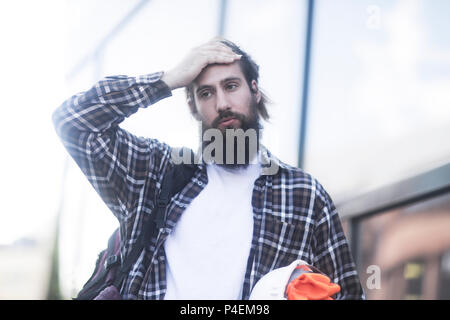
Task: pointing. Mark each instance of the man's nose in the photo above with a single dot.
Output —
(222, 103)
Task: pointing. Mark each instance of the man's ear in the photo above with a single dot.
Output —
(256, 91)
(193, 109)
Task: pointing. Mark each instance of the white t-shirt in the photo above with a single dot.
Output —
(207, 251)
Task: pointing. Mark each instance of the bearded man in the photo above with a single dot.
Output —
(244, 212)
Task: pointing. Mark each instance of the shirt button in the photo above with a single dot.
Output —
(200, 183)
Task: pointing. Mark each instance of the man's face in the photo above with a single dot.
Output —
(223, 100)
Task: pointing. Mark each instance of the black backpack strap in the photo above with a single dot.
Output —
(107, 263)
(173, 182)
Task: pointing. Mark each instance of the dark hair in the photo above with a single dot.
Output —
(251, 72)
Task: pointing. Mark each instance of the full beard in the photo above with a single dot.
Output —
(237, 147)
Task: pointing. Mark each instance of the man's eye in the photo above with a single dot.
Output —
(205, 94)
(231, 86)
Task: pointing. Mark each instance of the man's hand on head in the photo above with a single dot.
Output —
(197, 59)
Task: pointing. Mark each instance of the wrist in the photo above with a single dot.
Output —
(169, 80)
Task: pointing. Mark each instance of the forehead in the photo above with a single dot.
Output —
(214, 74)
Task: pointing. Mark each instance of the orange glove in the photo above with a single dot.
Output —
(311, 286)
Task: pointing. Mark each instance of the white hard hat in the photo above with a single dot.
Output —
(272, 286)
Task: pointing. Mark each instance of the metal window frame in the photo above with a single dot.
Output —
(306, 78)
(407, 192)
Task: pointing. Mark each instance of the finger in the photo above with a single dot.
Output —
(220, 58)
(218, 52)
(215, 51)
(225, 51)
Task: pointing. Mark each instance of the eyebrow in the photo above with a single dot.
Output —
(206, 86)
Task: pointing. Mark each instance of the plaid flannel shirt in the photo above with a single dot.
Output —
(294, 217)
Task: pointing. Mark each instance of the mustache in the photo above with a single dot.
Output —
(227, 114)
